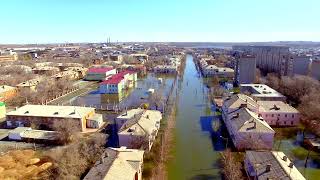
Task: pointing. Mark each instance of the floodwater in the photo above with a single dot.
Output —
(197, 133)
(131, 98)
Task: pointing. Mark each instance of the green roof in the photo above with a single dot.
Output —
(2, 104)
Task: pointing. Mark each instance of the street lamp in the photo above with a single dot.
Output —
(226, 139)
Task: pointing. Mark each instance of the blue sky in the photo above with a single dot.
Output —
(48, 21)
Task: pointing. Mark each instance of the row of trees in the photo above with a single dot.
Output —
(47, 89)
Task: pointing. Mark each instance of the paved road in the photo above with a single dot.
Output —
(66, 99)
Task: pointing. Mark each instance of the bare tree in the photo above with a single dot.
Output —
(68, 130)
(231, 167)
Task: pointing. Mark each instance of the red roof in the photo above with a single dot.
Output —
(115, 79)
(100, 70)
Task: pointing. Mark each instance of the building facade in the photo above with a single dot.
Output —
(44, 116)
(270, 58)
(99, 74)
(245, 69)
(118, 82)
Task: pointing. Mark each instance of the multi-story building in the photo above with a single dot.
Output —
(301, 64)
(278, 113)
(261, 165)
(8, 56)
(140, 130)
(222, 72)
(248, 131)
(261, 92)
(315, 68)
(118, 163)
(118, 82)
(270, 58)
(44, 116)
(99, 73)
(245, 69)
(30, 84)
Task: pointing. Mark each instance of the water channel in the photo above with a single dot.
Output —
(198, 130)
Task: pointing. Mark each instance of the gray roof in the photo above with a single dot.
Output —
(235, 101)
(246, 121)
(260, 159)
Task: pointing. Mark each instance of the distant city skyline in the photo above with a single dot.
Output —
(58, 21)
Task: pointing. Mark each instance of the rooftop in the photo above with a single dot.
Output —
(261, 90)
(144, 124)
(100, 69)
(117, 163)
(237, 100)
(244, 120)
(51, 111)
(276, 106)
(115, 79)
(279, 168)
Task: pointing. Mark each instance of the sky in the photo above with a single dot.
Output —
(60, 21)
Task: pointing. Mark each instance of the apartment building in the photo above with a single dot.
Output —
(140, 130)
(248, 131)
(270, 58)
(222, 72)
(245, 69)
(118, 82)
(278, 113)
(260, 165)
(44, 116)
(261, 92)
(99, 73)
(118, 163)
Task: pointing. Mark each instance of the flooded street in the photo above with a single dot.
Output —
(197, 137)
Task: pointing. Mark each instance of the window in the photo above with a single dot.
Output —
(272, 115)
(285, 115)
(291, 122)
(285, 122)
(292, 115)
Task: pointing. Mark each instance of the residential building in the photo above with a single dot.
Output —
(278, 113)
(7, 92)
(8, 56)
(222, 72)
(99, 73)
(233, 103)
(71, 75)
(118, 82)
(262, 165)
(80, 70)
(301, 64)
(142, 58)
(30, 84)
(139, 130)
(245, 69)
(44, 116)
(270, 58)
(45, 70)
(118, 163)
(315, 68)
(261, 92)
(248, 131)
(2, 110)
(169, 69)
